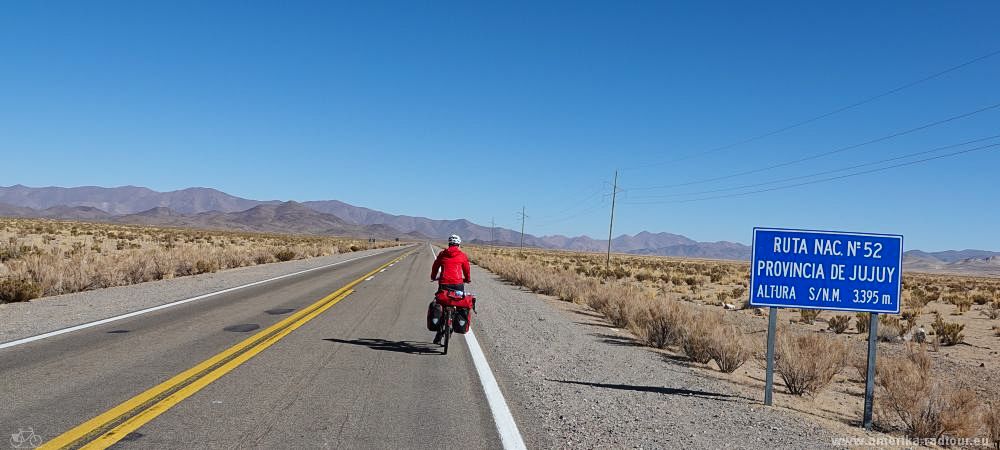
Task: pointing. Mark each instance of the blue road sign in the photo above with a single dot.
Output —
(826, 270)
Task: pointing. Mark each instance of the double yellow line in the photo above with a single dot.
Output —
(113, 425)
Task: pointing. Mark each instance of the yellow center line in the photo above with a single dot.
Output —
(114, 424)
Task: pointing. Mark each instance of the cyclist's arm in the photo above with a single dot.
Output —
(467, 271)
(434, 269)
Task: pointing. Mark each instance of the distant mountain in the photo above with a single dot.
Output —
(210, 208)
(287, 217)
(126, 199)
(963, 262)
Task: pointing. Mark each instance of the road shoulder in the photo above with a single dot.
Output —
(574, 381)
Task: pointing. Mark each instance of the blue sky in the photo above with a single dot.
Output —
(451, 109)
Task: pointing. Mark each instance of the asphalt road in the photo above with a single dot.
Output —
(361, 374)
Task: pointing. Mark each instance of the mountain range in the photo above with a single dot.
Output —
(209, 208)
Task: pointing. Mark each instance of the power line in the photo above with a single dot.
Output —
(826, 172)
(865, 172)
(821, 116)
(823, 154)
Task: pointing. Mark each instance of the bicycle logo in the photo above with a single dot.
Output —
(25, 438)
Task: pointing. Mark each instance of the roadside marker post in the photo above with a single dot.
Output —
(826, 270)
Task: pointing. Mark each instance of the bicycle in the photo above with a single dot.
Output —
(449, 306)
(446, 330)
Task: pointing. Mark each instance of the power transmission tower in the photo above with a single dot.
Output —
(611, 226)
(523, 216)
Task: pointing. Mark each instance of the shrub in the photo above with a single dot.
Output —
(18, 290)
(862, 323)
(839, 324)
(980, 298)
(284, 254)
(991, 421)
(696, 336)
(889, 329)
(948, 333)
(202, 266)
(909, 395)
(992, 310)
(808, 362)
(663, 324)
(728, 348)
(809, 315)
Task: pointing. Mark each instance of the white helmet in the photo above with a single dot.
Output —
(454, 240)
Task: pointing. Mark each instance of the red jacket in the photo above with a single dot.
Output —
(454, 267)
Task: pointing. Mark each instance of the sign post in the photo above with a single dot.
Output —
(831, 270)
(772, 323)
(870, 378)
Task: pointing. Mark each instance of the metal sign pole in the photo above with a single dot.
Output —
(870, 379)
(772, 324)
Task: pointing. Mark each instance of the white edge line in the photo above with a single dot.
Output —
(370, 278)
(510, 436)
(168, 305)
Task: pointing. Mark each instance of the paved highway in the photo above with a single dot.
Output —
(335, 358)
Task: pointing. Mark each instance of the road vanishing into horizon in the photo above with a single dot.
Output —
(337, 357)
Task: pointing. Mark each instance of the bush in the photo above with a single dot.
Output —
(991, 421)
(18, 290)
(284, 254)
(202, 266)
(889, 329)
(909, 395)
(980, 298)
(839, 324)
(696, 336)
(948, 333)
(728, 348)
(809, 315)
(992, 310)
(808, 362)
(862, 323)
(662, 327)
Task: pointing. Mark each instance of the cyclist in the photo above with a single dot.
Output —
(451, 270)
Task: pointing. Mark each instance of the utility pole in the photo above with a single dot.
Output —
(493, 228)
(611, 226)
(523, 216)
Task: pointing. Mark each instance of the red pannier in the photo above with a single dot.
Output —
(452, 298)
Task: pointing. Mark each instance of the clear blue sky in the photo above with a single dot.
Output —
(446, 109)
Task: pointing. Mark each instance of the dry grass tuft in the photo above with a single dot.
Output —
(696, 336)
(728, 348)
(839, 324)
(991, 421)
(925, 408)
(808, 362)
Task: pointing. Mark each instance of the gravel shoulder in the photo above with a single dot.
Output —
(574, 381)
(21, 320)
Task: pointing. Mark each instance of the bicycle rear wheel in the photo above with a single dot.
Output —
(447, 338)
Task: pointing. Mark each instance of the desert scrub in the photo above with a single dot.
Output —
(45, 257)
(991, 421)
(992, 310)
(18, 290)
(808, 316)
(838, 324)
(948, 333)
(910, 398)
(728, 348)
(807, 363)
